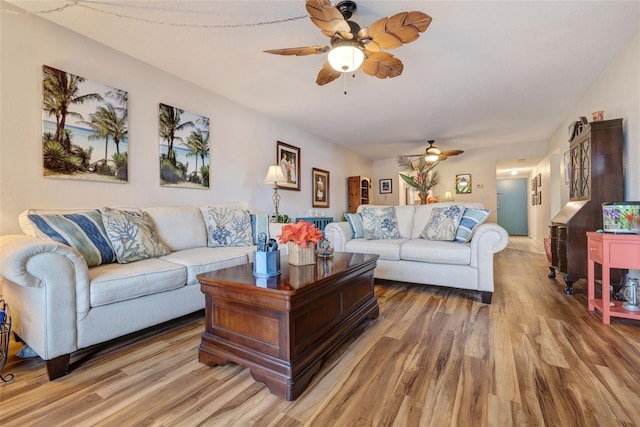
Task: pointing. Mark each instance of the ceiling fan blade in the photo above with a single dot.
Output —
(329, 19)
(452, 152)
(399, 29)
(300, 51)
(382, 65)
(327, 74)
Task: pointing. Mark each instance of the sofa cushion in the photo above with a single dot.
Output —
(380, 223)
(111, 283)
(357, 228)
(471, 219)
(388, 249)
(443, 223)
(179, 227)
(132, 235)
(227, 226)
(202, 260)
(436, 251)
(82, 230)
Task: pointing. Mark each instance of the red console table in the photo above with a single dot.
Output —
(610, 251)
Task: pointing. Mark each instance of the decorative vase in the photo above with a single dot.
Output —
(423, 198)
(299, 255)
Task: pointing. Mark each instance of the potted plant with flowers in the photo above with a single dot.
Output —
(422, 175)
(301, 239)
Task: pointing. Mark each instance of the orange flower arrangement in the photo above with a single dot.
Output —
(301, 234)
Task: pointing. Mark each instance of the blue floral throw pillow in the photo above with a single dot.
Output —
(380, 223)
(132, 235)
(443, 223)
(227, 227)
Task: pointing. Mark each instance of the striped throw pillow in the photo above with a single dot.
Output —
(471, 219)
(83, 231)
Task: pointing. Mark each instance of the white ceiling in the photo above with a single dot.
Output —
(484, 73)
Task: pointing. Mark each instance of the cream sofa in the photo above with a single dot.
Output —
(60, 305)
(430, 262)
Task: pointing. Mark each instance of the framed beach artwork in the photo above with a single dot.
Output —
(320, 179)
(84, 128)
(385, 186)
(288, 157)
(184, 148)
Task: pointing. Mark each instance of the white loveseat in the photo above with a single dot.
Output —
(430, 262)
(60, 305)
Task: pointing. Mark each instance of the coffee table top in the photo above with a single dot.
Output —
(292, 278)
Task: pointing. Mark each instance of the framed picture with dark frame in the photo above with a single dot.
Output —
(539, 180)
(320, 180)
(386, 186)
(288, 157)
(534, 199)
(534, 183)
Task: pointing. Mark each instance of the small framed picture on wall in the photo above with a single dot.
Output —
(385, 186)
(320, 179)
(288, 157)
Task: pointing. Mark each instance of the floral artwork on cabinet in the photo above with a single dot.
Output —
(84, 128)
(184, 148)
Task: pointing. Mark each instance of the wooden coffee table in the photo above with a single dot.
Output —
(281, 327)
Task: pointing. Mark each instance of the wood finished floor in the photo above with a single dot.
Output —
(434, 357)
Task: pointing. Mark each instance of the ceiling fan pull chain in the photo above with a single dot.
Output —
(345, 83)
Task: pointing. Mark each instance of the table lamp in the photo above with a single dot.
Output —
(274, 176)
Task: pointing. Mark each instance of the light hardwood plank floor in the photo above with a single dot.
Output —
(434, 357)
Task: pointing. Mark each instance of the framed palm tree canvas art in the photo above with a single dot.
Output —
(184, 148)
(84, 128)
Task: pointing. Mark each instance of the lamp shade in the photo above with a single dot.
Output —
(274, 175)
(345, 58)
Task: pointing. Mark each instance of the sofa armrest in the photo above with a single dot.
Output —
(47, 283)
(488, 239)
(338, 233)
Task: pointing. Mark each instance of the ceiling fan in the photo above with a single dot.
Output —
(433, 154)
(352, 46)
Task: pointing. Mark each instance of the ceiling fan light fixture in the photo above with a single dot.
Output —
(432, 154)
(346, 58)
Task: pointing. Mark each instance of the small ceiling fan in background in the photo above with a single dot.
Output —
(433, 154)
(352, 46)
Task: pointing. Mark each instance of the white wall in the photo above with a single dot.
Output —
(617, 92)
(243, 142)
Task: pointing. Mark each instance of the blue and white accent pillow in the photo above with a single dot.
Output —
(132, 235)
(357, 228)
(83, 231)
(380, 223)
(471, 219)
(443, 223)
(227, 227)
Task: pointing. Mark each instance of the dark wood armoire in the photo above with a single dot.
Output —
(596, 176)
